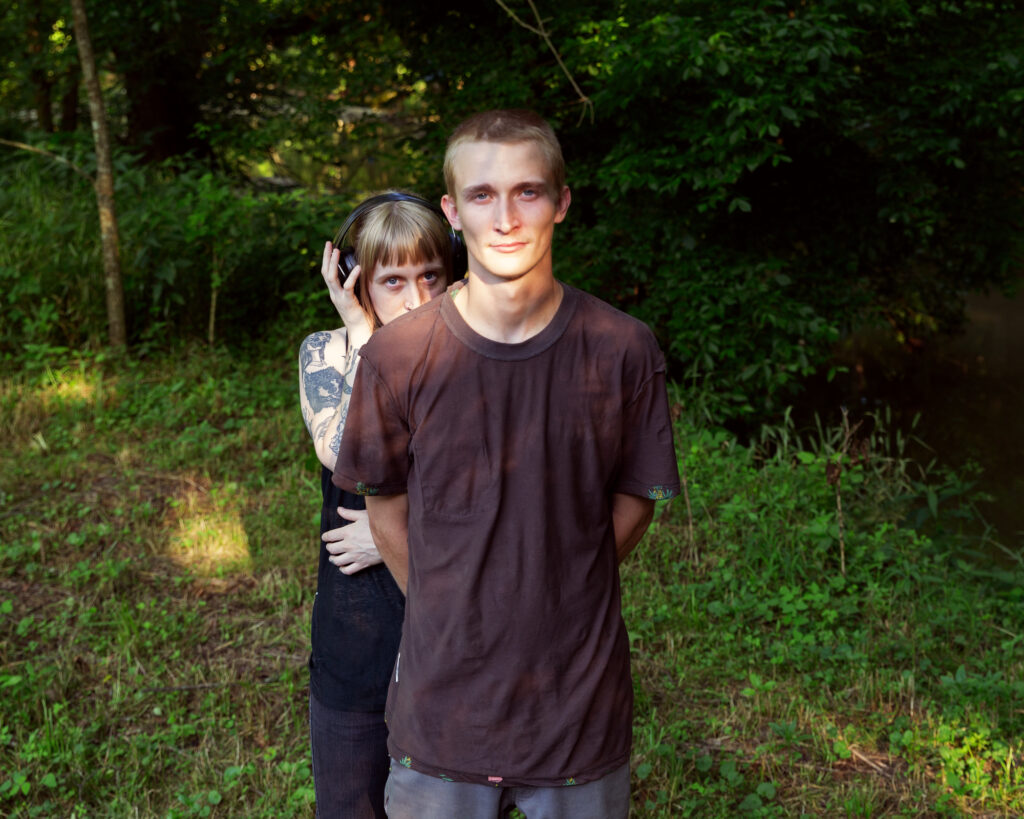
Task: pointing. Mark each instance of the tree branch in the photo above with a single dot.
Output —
(541, 31)
(22, 146)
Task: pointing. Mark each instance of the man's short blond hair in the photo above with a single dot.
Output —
(506, 126)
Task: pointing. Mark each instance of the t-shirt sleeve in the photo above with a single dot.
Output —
(648, 467)
(374, 455)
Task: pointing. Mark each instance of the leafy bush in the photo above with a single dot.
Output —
(752, 178)
(866, 155)
(186, 234)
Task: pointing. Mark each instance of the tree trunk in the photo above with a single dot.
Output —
(69, 102)
(43, 101)
(214, 289)
(162, 113)
(41, 86)
(104, 181)
(211, 325)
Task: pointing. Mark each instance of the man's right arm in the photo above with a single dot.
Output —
(389, 523)
(631, 515)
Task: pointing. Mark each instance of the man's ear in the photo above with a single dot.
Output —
(451, 210)
(564, 198)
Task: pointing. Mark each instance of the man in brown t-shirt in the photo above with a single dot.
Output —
(514, 435)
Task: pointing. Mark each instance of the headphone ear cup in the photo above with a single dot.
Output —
(460, 257)
(346, 263)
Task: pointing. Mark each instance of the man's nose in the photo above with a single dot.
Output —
(505, 218)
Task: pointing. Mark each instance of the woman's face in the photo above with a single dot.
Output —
(397, 289)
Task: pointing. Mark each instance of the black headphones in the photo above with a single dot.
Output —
(347, 260)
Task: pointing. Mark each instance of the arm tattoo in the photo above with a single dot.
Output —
(346, 394)
(321, 383)
(307, 417)
(323, 389)
(313, 349)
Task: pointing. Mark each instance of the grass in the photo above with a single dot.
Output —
(157, 566)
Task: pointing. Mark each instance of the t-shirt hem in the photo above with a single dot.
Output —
(358, 487)
(651, 491)
(497, 780)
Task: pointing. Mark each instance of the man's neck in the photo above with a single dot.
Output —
(509, 312)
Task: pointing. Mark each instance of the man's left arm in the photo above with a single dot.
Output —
(631, 515)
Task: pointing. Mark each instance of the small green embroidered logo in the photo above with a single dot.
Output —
(660, 493)
(363, 489)
(570, 781)
(446, 778)
(405, 761)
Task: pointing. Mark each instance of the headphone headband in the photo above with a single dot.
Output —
(383, 198)
(347, 262)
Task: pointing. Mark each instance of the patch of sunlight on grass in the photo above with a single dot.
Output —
(22, 411)
(25, 406)
(209, 537)
(78, 387)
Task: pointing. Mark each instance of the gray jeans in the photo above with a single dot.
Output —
(413, 795)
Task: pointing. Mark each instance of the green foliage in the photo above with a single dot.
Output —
(755, 180)
(853, 151)
(49, 260)
(768, 680)
(307, 91)
(185, 233)
(814, 144)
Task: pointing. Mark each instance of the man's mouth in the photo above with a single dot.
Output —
(508, 247)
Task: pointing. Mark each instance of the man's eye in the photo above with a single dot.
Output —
(529, 192)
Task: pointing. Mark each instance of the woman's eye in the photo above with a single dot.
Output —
(391, 281)
(430, 276)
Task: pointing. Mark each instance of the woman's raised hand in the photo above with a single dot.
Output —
(343, 296)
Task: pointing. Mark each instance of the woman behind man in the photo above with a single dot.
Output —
(402, 254)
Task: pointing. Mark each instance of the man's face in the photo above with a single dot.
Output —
(505, 208)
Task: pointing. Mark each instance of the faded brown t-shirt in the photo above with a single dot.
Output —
(514, 661)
